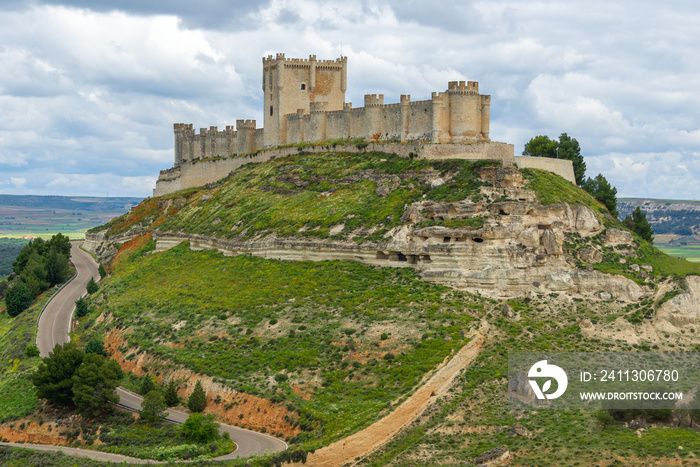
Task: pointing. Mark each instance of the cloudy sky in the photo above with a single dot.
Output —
(89, 89)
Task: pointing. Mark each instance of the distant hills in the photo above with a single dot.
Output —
(81, 203)
(31, 216)
(668, 217)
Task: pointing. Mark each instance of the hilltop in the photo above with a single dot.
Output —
(473, 225)
(313, 294)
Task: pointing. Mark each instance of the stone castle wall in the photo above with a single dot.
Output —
(201, 172)
(304, 101)
(450, 117)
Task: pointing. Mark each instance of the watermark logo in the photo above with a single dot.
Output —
(542, 369)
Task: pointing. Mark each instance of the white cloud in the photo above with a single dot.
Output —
(88, 93)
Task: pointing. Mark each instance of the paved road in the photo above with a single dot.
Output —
(54, 325)
(55, 321)
(247, 442)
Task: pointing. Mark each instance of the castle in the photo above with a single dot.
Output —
(304, 100)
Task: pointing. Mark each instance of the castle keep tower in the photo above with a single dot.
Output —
(290, 85)
(304, 100)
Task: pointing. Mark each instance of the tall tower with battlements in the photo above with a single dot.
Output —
(291, 85)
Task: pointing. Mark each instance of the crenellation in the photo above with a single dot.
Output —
(318, 107)
(304, 100)
(374, 100)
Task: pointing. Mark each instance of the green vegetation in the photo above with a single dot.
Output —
(153, 407)
(54, 377)
(601, 190)
(39, 266)
(619, 260)
(200, 428)
(92, 286)
(16, 338)
(94, 385)
(637, 223)
(471, 418)
(552, 189)
(17, 299)
(9, 249)
(96, 346)
(197, 401)
(69, 376)
(170, 394)
(330, 318)
(119, 433)
(566, 148)
(305, 195)
(691, 253)
(82, 308)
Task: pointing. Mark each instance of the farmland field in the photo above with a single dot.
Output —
(44, 216)
(691, 253)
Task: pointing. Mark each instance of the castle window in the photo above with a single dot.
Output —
(270, 111)
(303, 87)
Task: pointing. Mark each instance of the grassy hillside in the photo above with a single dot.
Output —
(476, 416)
(337, 342)
(306, 195)
(17, 394)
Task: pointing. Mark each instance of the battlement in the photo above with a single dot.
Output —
(461, 86)
(301, 62)
(304, 100)
(318, 107)
(245, 124)
(372, 100)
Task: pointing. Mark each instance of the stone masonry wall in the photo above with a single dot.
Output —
(199, 173)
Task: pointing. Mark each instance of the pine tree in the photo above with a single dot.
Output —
(54, 377)
(639, 224)
(601, 190)
(171, 397)
(102, 271)
(153, 407)
(81, 308)
(147, 385)
(92, 286)
(94, 385)
(197, 401)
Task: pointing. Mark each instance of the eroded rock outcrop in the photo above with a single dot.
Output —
(501, 242)
(683, 309)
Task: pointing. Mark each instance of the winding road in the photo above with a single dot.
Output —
(54, 324)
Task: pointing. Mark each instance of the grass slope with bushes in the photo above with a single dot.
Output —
(337, 342)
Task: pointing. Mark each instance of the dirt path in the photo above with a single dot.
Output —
(379, 433)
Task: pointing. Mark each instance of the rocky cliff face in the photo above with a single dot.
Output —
(503, 244)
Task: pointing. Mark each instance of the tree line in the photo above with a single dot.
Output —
(39, 266)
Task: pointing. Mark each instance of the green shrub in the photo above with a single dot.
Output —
(32, 351)
(200, 428)
(92, 286)
(81, 308)
(18, 298)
